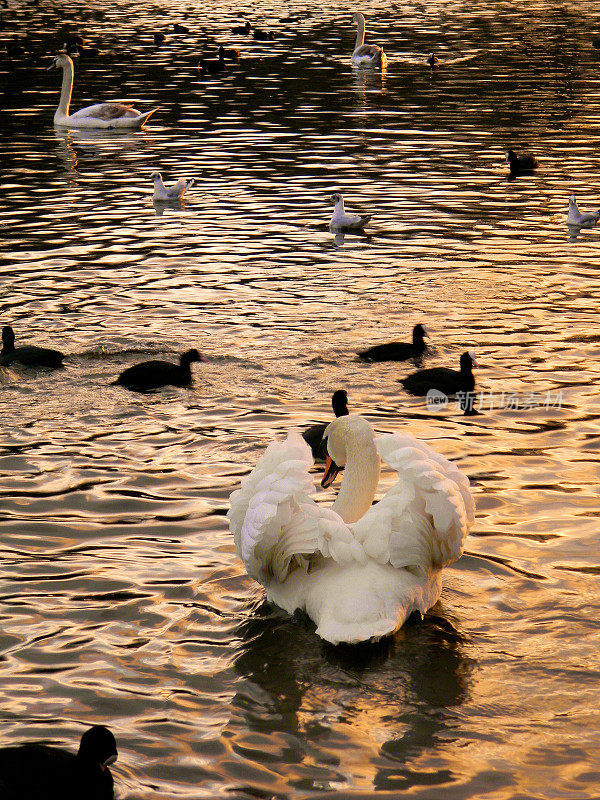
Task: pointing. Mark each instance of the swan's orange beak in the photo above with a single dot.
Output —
(331, 471)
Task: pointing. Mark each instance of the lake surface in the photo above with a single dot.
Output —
(122, 600)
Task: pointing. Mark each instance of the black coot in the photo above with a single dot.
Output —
(153, 374)
(246, 28)
(398, 351)
(448, 381)
(28, 355)
(33, 771)
(313, 436)
(521, 165)
(213, 65)
(263, 36)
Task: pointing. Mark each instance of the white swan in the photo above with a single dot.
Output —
(358, 570)
(173, 192)
(340, 220)
(366, 55)
(101, 115)
(581, 218)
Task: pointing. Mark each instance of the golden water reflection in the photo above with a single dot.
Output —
(122, 599)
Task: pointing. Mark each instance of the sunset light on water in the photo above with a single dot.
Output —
(123, 601)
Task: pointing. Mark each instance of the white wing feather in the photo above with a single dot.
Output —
(277, 526)
(106, 111)
(423, 520)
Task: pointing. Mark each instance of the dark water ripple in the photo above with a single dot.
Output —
(121, 598)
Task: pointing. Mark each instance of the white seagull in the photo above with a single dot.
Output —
(174, 192)
(579, 218)
(341, 221)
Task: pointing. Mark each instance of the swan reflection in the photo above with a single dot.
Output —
(101, 134)
(75, 143)
(368, 81)
(402, 691)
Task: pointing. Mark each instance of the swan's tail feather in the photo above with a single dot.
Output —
(354, 605)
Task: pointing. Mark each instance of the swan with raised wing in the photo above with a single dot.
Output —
(100, 115)
(366, 55)
(358, 570)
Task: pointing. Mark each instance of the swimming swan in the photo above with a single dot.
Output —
(173, 192)
(340, 220)
(579, 218)
(101, 115)
(357, 569)
(366, 55)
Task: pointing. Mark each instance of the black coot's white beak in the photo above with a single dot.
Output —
(331, 471)
(110, 760)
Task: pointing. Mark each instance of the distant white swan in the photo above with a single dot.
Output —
(366, 55)
(358, 570)
(174, 192)
(340, 220)
(101, 115)
(581, 218)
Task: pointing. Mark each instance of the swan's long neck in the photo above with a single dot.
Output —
(67, 88)
(361, 476)
(360, 31)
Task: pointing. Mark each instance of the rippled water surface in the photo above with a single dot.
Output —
(122, 599)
